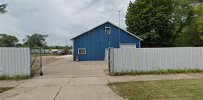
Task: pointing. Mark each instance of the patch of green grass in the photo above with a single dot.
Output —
(33, 55)
(3, 89)
(191, 89)
(18, 77)
(169, 71)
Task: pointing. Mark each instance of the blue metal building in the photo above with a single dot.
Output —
(91, 45)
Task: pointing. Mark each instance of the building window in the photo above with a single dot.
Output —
(107, 30)
(81, 51)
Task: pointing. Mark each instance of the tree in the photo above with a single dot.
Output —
(183, 16)
(160, 22)
(151, 20)
(2, 8)
(189, 37)
(8, 40)
(199, 18)
(191, 34)
(35, 40)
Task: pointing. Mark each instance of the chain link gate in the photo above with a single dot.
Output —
(36, 61)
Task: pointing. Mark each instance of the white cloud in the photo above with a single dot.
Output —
(60, 19)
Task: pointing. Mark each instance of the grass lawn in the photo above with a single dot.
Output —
(191, 89)
(3, 89)
(158, 72)
(18, 77)
(33, 55)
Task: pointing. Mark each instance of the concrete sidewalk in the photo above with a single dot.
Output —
(65, 80)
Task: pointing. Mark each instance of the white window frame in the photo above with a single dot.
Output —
(82, 53)
(109, 30)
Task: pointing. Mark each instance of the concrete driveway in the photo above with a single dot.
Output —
(65, 80)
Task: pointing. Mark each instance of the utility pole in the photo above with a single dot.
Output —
(119, 12)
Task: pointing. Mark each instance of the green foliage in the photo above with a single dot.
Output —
(165, 23)
(66, 48)
(17, 77)
(189, 37)
(199, 18)
(56, 47)
(150, 20)
(191, 34)
(169, 71)
(36, 40)
(3, 8)
(183, 16)
(7, 40)
(3, 89)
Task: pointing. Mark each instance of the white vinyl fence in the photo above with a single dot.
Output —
(153, 59)
(14, 61)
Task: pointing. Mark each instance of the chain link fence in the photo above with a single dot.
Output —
(36, 61)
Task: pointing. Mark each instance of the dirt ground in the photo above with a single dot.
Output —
(49, 59)
(45, 61)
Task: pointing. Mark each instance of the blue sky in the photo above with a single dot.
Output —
(60, 19)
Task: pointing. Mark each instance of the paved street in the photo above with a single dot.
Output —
(65, 80)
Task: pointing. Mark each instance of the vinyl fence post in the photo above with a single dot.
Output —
(41, 73)
(109, 61)
(30, 62)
